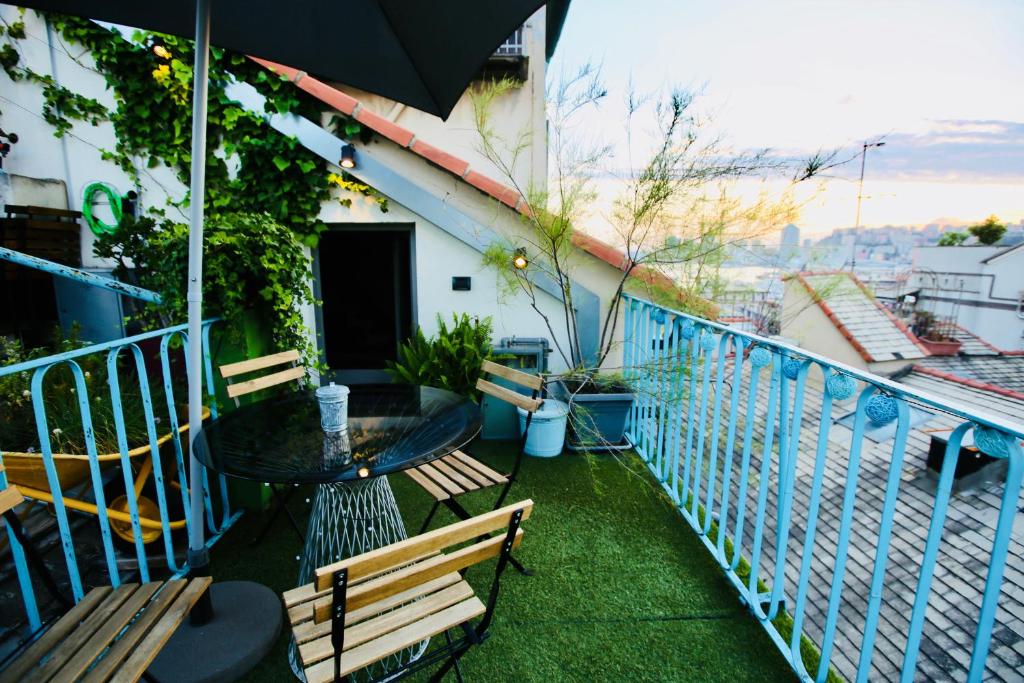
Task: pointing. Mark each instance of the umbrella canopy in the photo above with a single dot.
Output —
(423, 54)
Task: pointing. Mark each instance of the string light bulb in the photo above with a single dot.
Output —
(519, 260)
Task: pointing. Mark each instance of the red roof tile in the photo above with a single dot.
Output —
(404, 137)
(864, 332)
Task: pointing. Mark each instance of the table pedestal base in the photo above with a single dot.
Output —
(349, 519)
(246, 623)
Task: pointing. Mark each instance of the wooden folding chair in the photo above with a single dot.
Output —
(112, 634)
(458, 473)
(236, 390)
(364, 609)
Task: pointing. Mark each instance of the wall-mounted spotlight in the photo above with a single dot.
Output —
(519, 260)
(348, 156)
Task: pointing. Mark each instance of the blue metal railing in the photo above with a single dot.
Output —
(88, 495)
(739, 430)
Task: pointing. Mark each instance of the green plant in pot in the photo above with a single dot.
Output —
(673, 217)
(449, 360)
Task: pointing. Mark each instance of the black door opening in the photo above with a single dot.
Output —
(365, 282)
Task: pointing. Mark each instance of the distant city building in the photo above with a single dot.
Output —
(790, 236)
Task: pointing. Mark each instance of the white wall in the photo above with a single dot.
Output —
(960, 274)
(519, 111)
(806, 324)
(77, 158)
(439, 256)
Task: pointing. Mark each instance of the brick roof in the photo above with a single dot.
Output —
(874, 332)
(971, 344)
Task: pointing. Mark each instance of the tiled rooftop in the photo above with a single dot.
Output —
(972, 344)
(876, 333)
(963, 556)
(1004, 371)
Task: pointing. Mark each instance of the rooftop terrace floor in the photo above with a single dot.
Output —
(622, 589)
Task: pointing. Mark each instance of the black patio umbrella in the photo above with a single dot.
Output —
(417, 52)
(420, 53)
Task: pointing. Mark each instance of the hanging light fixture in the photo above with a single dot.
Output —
(348, 156)
(519, 260)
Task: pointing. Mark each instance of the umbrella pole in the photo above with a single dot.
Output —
(198, 556)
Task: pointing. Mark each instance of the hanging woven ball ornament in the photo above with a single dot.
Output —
(708, 341)
(991, 442)
(791, 368)
(881, 409)
(840, 387)
(760, 357)
(687, 329)
(659, 315)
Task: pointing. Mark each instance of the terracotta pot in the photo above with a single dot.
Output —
(945, 347)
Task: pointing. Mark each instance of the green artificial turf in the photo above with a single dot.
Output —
(622, 589)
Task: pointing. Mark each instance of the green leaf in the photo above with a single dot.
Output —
(281, 162)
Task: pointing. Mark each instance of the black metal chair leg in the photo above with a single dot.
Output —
(458, 669)
(281, 505)
(36, 560)
(430, 516)
(452, 661)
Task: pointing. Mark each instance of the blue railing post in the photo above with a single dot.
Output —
(669, 356)
(97, 503)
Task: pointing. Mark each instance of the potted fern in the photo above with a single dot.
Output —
(450, 360)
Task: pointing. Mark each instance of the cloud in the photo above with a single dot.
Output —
(957, 150)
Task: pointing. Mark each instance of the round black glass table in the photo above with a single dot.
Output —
(390, 428)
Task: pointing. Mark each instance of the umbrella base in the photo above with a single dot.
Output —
(245, 626)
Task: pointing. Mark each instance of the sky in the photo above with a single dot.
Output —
(941, 81)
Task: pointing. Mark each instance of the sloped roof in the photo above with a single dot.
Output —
(509, 196)
(1002, 374)
(869, 326)
(971, 344)
(1004, 252)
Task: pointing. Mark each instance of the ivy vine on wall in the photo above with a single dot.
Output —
(254, 175)
(151, 80)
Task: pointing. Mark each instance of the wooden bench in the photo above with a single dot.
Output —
(368, 607)
(454, 475)
(112, 634)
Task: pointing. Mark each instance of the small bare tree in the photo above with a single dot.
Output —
(674, 218)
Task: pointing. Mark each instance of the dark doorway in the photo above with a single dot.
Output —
(364, 277)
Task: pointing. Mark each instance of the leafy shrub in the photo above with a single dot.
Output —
(251, 263)
(451, 360)
(988, 231)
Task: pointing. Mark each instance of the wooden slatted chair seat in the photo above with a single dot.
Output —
(458, 473)
(112, 634)
(454, 475)
(400, 595)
